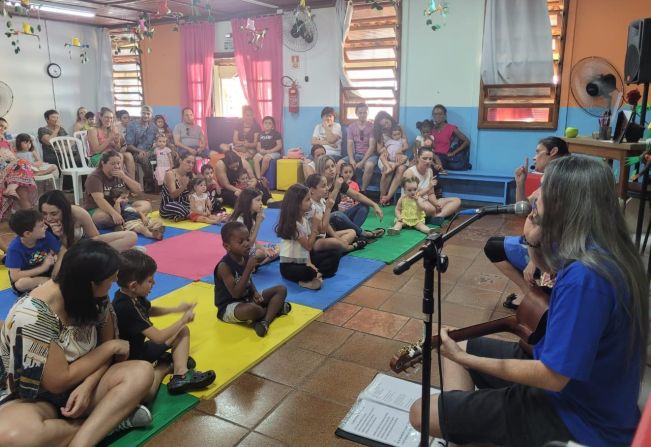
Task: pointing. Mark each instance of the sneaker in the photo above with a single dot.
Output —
(393, 232)
(287, 308)
(167, 358)
(190, 381)
(261, 328)
(141, 417)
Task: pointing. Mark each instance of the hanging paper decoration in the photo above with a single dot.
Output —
(76, 43)
(256, 37)
(23, 8)
(13, 34)
(143, 30)
(434, 9)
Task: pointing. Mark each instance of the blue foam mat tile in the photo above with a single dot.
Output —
(7, 299)
(164, 284)
(351, 274)
(266, 232)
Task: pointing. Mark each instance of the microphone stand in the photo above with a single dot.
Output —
(433, 259)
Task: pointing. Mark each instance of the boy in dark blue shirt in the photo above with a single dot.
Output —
(34, 255)
(136, 278)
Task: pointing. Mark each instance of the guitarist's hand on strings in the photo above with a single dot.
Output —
(449, 348)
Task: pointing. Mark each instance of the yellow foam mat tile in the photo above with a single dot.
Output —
(184, 225)
(277, 196)
(4, 278)
(228, 349)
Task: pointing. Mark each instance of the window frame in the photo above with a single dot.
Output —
(221, 59)
(370, 23)
(558, 37)
(126, 56)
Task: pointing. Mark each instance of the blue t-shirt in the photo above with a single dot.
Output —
(25, 258)
(587, 340)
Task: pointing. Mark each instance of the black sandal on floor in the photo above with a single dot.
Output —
(508, 302)
(378, 233)
(359, 244)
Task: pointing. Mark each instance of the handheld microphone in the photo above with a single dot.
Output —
(522, 208)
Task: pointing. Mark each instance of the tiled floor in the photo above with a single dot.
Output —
(299, 394)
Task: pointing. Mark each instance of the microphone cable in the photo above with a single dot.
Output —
(438, 351)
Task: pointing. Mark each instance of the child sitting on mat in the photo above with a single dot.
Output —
(134, 220)
(348, 174)
(299, 262)
(200, 204)
(136, 278)
(249, 211)
(245, 181)
(408, 212)
(213, 189)
(236, 297)
(329, 239)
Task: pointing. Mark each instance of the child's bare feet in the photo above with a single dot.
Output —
(315, 284)
(157, 234)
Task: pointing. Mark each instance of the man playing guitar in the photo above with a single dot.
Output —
(582, 380)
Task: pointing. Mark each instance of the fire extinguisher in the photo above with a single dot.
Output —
(293, 101)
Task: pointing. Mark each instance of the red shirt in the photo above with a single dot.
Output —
(442, 138)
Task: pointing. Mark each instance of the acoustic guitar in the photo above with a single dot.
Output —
(528, 323)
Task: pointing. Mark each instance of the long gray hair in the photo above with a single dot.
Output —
(582, 221)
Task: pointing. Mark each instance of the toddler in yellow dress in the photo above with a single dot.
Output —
(408, 213)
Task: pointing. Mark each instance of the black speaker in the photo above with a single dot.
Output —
(637, 67)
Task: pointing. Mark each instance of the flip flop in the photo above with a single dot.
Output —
(378, 233)
(508, 302)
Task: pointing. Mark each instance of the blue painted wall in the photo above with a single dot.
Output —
(172, 114)
(498, 151)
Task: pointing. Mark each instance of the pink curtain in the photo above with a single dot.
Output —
(260, 69)
(197, 63)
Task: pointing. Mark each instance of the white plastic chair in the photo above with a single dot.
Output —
(83, 136)
(65, 149)
(45, 177)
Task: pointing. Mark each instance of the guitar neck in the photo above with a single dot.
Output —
(479, 330)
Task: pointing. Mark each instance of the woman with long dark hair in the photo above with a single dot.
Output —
(228, 171)
(582, 380)
(71, 223)
(174, 195)
(65, 381)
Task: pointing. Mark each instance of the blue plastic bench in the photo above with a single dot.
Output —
(479, 186)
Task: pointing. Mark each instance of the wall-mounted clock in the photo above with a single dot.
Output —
(54, 70)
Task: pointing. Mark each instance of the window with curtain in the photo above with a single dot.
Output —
(371, 60)
(525, 103)
(127, 75)
(228, 94)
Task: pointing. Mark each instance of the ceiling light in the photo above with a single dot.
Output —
(56, 9)
(259, 3)
(68, 11)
